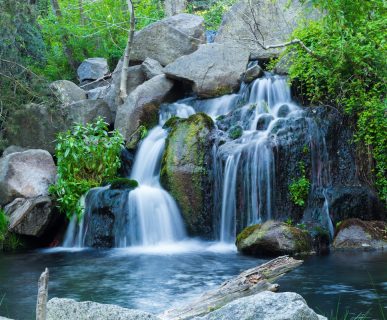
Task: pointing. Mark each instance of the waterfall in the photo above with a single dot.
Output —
(248, 177)
(149, 216)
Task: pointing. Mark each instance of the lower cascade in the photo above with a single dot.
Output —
(249, 128)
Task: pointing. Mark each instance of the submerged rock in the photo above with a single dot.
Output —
(213, 70)
(185, 171)
(26, 174)
(265, 306)
(358, 234)
(68, 309)
(168, 39)
(253, 73)
(273, 239)
(264, 121)
(142, 105)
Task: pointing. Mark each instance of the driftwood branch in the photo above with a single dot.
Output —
(249, 282)
(41, 305)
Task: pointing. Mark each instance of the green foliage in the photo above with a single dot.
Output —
(235, 132)
(87, 156)
(301, 226)
(8, 241)
(348, 70)
(100, 31)
(3, 226)
(123, 183)
(21, 44)
(211, 11)
(289, 222)
(299, 189)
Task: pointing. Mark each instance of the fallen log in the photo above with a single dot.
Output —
(249, 282)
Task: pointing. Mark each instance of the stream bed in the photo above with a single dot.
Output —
(156, 278)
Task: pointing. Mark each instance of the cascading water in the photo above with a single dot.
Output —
(150, 216)
(248, 177)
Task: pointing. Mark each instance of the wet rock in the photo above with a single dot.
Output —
(65, 309)
(265, 305)
(135, 78)
(235, 132)
(276, 21)
(253, 73)
(32, 217)
(273, 239)
(358, 234)
(26, 174)
(264, 122)
(151, 68)
(92, 69)
(87, 111)
(142, 105)
(103, 212)
(168, 39)
(213, 70)
(283, 111)
(67, 92)
(185, 171)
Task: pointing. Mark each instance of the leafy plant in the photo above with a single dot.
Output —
(87, 156)
(348, 70)
(299, 189)
(3, 226)
(289, 222)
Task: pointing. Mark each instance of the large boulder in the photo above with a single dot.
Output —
(26, 174)
(185, 170)
(273, 22)
(213, 70)
(135, 78)
(87, 111)
(92, 69)
(265, 306)
(67, 309)
(31, 217)
(35, 126)
(142, 105)
(358, 234)
(273, 239)
(169, 39)
(13, 149)
(67, 92)
(151, 68)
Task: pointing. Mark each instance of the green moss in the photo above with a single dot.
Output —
(171, 122)
(123, 183)
(235, 132)
(246, 232)
(301, 238)
(299, 188)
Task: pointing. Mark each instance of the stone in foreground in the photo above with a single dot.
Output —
(358, 234)
(213, 70)
(273, 239)
(26, 174)
(265, 306)
(68, 309)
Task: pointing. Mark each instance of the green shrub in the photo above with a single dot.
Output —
(348, 70)
(3, 226)
(299, 189)
(87, 156)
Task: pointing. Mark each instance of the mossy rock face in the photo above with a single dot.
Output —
(123, 183)
(273, 239)
(235, 132)
(185, 171)
(359, 234)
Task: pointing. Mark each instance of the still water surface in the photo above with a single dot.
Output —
(155, 279)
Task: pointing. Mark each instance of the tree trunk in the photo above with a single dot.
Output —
(81, 13)
(125, 64)
(68, 52)
(173, 7)
(249, 282)
(41, 305)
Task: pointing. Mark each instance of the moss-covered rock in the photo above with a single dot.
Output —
(123, 183)
(358, 234)
(273, 239)
(235, 132)
(185, 171)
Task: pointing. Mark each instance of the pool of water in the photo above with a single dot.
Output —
(154, 279)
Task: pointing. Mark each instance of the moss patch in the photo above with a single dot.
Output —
(246, 232)
(123, 183)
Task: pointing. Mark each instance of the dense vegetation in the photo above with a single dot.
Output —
(347, 70)
(87, 156)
